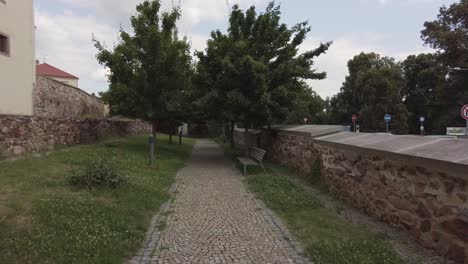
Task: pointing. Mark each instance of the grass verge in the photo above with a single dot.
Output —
(45, 220)
(326, 238)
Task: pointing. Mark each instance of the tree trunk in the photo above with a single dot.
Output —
(231, 134)
(224, 133)
(180, 136)
(152, 143)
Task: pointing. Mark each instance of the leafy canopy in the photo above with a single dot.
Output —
(150, 71)
(372, 89)
(255, 73)
(449, 36)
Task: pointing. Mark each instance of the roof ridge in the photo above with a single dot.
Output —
(46, 69)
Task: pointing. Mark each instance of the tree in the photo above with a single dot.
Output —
(372, 89)
(308, 104)
(449, 36)
(254, 74)
(425, 78)
(148, 70)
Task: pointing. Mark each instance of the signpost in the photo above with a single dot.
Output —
(387, 118)
(354, 118)
(422, 119)
(464, 114)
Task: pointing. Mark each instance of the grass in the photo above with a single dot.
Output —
(326, 237)
(45, 220)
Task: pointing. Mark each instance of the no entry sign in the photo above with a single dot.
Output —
(354, 118)
(464, 112)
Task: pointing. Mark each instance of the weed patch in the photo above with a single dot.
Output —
(97, 174)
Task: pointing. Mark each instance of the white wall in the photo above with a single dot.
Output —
(72, 82)
(17, 71)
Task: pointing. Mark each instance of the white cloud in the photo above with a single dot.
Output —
(100, 75)
(193, 11)
(65, 39)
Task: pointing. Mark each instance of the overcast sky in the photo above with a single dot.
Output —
(390, 27)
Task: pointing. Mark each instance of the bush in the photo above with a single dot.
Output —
(97, 173)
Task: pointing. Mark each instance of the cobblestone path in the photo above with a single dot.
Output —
(214, 219)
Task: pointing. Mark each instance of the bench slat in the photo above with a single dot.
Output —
(257, 153)
(247, 161)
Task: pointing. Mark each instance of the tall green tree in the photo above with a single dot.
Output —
(255, 73)
(372, 89)
(150, 69)
(307, 104)
(425, 78)
(449, 36)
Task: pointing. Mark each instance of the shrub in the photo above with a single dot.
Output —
(97, 173)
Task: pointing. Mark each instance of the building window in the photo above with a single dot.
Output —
(4, 44)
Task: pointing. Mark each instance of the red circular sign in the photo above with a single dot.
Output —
(354, 118)
(464, 112)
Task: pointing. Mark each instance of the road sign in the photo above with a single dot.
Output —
(422, 119)
(387, 118)
(464, 112)
(455, 131)
(354, 118)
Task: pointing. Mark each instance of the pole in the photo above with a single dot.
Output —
(354, 123)
(387, 126)
(180, 136)
(422, 129)
(151, 143)
(466, 129)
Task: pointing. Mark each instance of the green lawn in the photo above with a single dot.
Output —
(45, 220)
(326, 238)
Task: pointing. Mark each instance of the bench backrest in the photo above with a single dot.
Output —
(257, 153)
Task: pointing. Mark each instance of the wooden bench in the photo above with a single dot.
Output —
(254, 159)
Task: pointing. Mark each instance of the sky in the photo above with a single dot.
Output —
(64, 30)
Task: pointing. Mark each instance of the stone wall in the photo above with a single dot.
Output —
(254, 137)
(416, 184)
(296, 151)
(429, 203)
(58, 100)
(24, 134)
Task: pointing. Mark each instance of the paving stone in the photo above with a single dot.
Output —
(214, 219)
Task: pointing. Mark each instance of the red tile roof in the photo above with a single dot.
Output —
(49, 70)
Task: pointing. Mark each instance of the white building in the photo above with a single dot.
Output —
(17, 58)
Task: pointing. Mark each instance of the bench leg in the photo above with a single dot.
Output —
(264, 170)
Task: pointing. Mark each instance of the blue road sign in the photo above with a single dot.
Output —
(387, 118)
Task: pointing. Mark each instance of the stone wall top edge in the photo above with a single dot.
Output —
(458, 169)
(27, 117)
(71, 87)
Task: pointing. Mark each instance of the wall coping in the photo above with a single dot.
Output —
(72, 87)
(299, 130)
(421, 151)
(29, 117)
